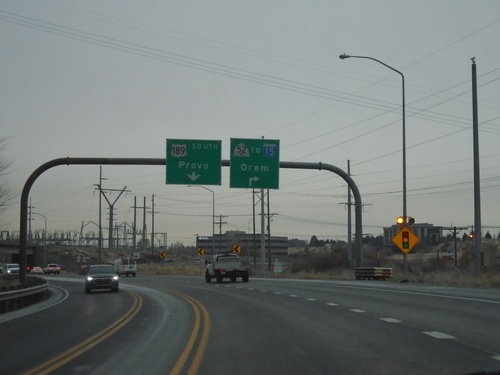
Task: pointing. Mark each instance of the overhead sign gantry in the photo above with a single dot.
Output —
(23, 230)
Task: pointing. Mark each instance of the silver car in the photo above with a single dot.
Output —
(101, 276)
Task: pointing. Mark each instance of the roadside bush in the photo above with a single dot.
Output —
(466, 259)
(324, 261)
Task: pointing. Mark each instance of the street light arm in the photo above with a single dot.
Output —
(36, 213)
(344, 56)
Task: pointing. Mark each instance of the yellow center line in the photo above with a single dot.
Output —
(70, 354)
(203, 341)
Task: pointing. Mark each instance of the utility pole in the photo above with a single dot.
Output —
(99, 241)
(134, 229)
(262, 231)
(477, 179)
(220, 223)
(152, 224)
(144, 230)
(349, 229)
(349, 204)
(111, 208)
(455, 229)
(268, 215)
(268, 232)
(254, 236)
(30, 234)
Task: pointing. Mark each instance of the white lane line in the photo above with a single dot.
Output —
(278, 293)
(311, 299)
(496, 357)
(293, 295)
(263, 290)
(439, 335)
(332, 304)
(358, 311)
(391, 320)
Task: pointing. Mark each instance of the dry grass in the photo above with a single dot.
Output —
(449, 275)
(453, 276)
(178, 269)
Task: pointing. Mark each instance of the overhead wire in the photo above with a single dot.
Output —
(238, 73)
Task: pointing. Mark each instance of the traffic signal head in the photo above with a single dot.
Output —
(400, 220)
(411, 220)
(471, 235)
(406, 239)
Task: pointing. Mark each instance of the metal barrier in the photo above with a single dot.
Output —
(372, 273)
(13, 297)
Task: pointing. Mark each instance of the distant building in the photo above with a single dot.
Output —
(428, 234)
(248, 243)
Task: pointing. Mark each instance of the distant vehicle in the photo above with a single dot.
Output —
(101, 276)
(125, 266)
(10, 268)
(83, 270)
(226, 265)
(52, 268)
(36, 270)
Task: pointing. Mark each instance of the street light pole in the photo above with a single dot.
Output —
(213, 215)
(45, 230)
(344, 56)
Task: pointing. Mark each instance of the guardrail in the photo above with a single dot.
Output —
(372, 273)
(13, 297)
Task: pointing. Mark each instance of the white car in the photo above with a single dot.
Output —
(125, 266)
(10, 268)
(36, 270)
(52, 268)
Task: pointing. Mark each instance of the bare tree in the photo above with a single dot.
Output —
(6, 196)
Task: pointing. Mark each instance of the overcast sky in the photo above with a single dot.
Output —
(117, 78)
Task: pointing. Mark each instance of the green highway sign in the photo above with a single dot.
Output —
(254, 163)
(194, 162)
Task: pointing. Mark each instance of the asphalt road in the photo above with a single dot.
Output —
(167, 324)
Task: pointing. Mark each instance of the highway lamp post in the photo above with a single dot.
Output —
(344, 56)
(213, 214)
(45, 230)
(44, 236)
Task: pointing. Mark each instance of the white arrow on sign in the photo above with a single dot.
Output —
(193, 176)
(253, 179)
